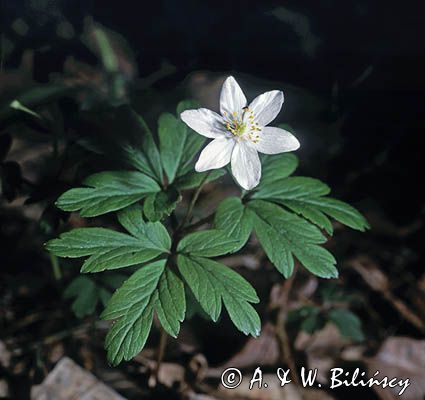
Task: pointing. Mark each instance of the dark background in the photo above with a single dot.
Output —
(362, 62)
(321, 46)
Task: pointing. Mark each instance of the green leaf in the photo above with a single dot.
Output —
(172, 137)
(113, 280)
(17, 105)
(160, 205)
(214, 284)
(192, 145)
(178, 143)
(342, 212)
(171, 302)
(304, 196)
(193, 142)
(194, 179)
(87, 293)
(150, 149)
(153, 234)
(186, 105)
(284, 235)
(144, 157)
(108, 249)
(152, 288)
(310, 213)
(209, 243)
(233, 218)
(193, 307)
(84, 292)
(277, 167)
(133, 305)
(106, 192)
(313, 323)
(301, 313)
(292, 188)
(36, 96)
(104, 296)
(348, 324)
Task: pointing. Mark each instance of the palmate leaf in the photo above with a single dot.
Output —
(214, 284)
(284, 235)
(153, 288)
(305, 196)
(108, 249)
(340, 211)
(235, 220)
(106, 192)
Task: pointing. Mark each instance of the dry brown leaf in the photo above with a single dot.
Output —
(4, 355)
(322, 348)
(69, 381)
(370, 272)
(4, 389)
(198, 366)
(170, 373)
(403, 358)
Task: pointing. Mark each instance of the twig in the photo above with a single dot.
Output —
(366, 268)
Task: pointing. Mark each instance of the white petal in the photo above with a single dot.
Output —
(275, 140)
(205, 122)
(232, 98)
(215, 155)
(266, 106)
(246, 165)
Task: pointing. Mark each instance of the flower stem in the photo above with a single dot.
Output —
(193, 202)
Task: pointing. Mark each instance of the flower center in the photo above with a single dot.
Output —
(243, 125)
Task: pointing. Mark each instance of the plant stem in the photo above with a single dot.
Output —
(193, 202)
(57, 273)
(161, 351)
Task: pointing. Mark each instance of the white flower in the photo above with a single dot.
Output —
(240, 132)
